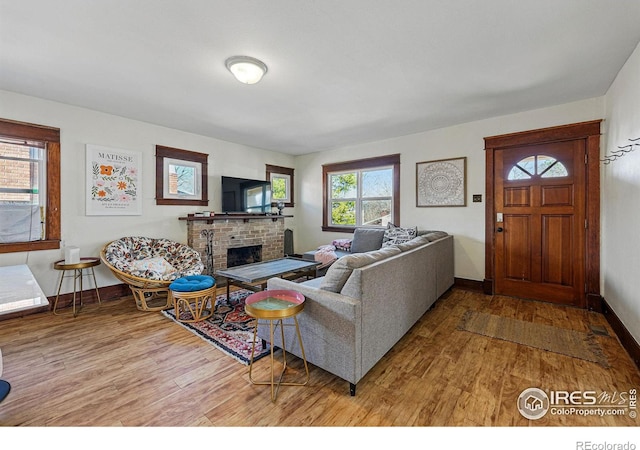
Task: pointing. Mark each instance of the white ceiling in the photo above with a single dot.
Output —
(340, 71)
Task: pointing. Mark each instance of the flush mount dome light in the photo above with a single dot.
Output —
(246, 69)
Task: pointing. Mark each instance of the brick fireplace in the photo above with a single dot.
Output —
(224, 232)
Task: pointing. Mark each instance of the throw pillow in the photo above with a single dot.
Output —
(337, 275)
(394, 234)
(325, 254)
(367, 239)
(342, 244)
(157, 265)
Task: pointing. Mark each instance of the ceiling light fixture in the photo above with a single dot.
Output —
(246, 69)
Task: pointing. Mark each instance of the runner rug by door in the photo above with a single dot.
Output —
(558, 340)
(230, 329)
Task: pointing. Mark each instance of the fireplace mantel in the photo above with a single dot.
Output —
(244, 217)
(213, 235)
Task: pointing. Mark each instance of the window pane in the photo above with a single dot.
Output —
(376, 212)
(377, 183)
(343, 213)
(543, 163)
(528, 164)
(20, 193)
(344, 185)
(279, 188)
(516, 173)
(550, 167)
(182, 179)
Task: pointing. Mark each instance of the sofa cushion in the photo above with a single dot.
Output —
(340, 271)
(367, 239)
(394, 234)
(413, 243)
(336, 276)
(192, 283)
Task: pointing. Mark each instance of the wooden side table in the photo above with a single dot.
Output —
(274, 306)
(77, 268)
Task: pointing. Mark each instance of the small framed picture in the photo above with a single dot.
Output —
(441, 182)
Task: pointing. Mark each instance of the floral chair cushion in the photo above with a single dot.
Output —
(138, 256)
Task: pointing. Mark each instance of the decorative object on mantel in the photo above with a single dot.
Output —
(441, 182)
(622, 150)
(208, 252)
(280, 206)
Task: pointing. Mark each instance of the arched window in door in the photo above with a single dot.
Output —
(542, 166)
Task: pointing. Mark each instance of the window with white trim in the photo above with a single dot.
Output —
(361, 193)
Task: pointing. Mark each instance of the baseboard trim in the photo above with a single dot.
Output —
(468, 285)
(626, 339)
(89, 296)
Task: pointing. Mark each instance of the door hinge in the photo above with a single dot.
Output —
(586, 224)
(586, 158)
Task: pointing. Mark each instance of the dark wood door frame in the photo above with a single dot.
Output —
(590, 132)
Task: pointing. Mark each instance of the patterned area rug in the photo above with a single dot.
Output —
(558, 340)
(230, 328)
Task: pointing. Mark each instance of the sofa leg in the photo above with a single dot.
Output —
(352, 389)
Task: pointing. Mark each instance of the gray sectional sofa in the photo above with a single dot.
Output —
(366, 303)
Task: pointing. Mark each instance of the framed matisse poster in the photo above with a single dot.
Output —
(114, 182)
(441, 182)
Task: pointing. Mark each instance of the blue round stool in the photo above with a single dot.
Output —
(194, 297)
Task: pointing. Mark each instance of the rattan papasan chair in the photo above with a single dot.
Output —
(149, 266)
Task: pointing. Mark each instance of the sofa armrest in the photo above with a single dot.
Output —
(331, 328)
(330, 300)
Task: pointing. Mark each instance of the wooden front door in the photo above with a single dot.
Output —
(539, 237)
(540, 222)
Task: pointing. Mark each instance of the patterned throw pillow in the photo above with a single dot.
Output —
(342, 244)
(398, 235)
(153, 267)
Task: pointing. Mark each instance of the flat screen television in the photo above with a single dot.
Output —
(244, 195)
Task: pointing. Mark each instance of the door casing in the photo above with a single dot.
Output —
(590, 133)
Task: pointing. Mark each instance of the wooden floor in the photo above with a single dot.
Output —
(116, 366)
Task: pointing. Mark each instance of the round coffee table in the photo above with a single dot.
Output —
(275, 306)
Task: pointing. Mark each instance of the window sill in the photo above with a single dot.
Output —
(50, 244)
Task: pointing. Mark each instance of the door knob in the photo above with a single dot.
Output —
(500, 229)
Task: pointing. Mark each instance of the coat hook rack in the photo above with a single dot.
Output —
(622, 150)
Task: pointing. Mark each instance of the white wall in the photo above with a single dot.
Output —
(80, 126)
(621, 198)
(467, 224)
